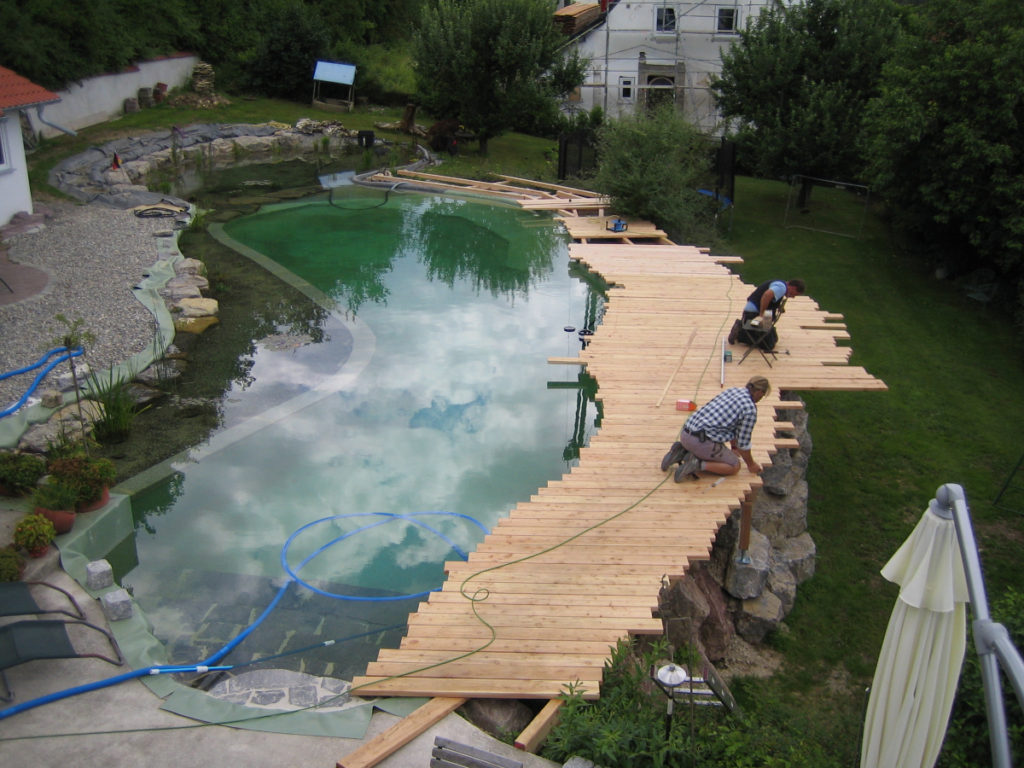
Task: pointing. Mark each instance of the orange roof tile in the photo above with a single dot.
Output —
(17, 92)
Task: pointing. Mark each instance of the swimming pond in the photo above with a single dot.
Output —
(366, 446)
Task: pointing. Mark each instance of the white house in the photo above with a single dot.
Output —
(645, 51)
(17, 95)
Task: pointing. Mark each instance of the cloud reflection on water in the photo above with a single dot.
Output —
(451, 412)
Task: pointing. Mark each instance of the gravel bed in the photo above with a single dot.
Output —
(93, 254)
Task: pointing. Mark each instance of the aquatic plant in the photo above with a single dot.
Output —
(117, 407)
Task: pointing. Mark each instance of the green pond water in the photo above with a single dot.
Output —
(378, 432)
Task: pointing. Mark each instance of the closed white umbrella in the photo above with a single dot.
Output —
(919, 664)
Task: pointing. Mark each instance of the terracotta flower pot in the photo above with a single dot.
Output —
(63, 519)
(94, 505)
(39, 551)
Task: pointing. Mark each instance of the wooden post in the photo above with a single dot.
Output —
(746, 514)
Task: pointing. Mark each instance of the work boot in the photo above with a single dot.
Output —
(674, 456)
(688, 469)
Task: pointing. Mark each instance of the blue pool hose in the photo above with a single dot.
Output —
(210, 664)
(65, 354)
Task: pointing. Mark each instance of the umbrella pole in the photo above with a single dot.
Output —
(990, 643)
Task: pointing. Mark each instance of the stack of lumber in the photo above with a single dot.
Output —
(577, 17)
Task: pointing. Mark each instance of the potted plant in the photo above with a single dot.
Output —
(55, 500)
(12, 564)
(19, 472)
(90, 478)
(33, 533)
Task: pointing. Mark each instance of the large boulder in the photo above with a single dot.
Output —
(782, 517)
(499, 717)
(758, 616)
(747, 576)
(800, 555)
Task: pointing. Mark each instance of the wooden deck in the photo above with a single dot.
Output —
(579, 565)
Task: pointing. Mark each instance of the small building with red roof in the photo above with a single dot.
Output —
(17, 94)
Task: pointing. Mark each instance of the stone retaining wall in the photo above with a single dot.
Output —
(724, 597)
(117, 173)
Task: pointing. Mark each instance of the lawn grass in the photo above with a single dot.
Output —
(953, 412)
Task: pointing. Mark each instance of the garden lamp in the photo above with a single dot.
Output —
(669, 678)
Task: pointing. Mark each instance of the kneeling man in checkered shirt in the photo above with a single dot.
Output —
(729, 417)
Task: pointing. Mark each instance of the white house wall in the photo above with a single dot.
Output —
(15, 195)
(628, 35)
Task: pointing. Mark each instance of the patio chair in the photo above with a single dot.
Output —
(33, 639)
(16, 600)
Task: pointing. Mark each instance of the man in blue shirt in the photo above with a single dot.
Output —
(767, 297)
(764, 306)
(729, 417)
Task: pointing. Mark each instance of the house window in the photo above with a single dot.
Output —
(626, 88)
(728, 20)
(5, 162)
(665, 20)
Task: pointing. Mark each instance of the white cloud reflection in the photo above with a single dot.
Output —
(437, 401)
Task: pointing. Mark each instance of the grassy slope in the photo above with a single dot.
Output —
(953, 413)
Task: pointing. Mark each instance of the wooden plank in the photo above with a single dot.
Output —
(560, 188)
(401, 733)
(492, 689)
(534, 734)
(469, 668)
(563, 624)
(458, 644)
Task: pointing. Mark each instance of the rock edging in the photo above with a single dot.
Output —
(724, 598)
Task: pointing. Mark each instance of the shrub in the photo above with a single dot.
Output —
(11, 564)
(19, 472)
(86, 477)
(55, 494)
(627, 726)
(33, 533)
(652, 166)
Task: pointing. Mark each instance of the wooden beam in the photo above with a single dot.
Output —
(534, 734)
(401, 733)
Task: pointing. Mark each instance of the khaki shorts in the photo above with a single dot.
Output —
(708, 450)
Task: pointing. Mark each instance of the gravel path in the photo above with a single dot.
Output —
(93, 255)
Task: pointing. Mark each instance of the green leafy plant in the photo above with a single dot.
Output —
(55, 494)
(64, 444)
(12, 564)
(75, 335)
(628, 725)
(34, 533)
(86, 476)
(19, 472)
(117, 407)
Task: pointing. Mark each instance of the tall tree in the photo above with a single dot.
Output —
(795, 86)
(485, 61)
(946, 135)
(293, 39)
